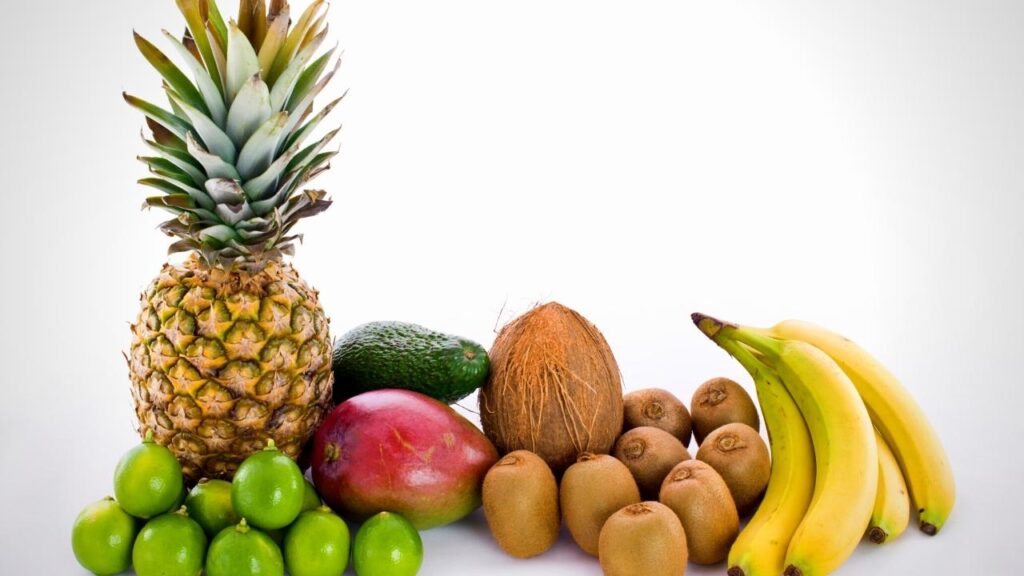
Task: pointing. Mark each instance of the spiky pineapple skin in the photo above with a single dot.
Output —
(221, 361)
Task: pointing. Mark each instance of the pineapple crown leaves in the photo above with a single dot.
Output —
(229, 154)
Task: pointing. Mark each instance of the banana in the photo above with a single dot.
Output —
(892, 504)
(845, 450)
(898, 417)
(760, 549)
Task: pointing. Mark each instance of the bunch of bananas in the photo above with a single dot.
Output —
(847, 441)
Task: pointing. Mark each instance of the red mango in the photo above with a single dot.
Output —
(403, 452)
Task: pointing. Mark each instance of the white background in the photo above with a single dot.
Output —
(858, 164)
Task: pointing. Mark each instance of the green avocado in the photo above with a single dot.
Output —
(402, 355)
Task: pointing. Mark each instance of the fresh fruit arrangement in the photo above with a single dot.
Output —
(832, 409)
(830, 475)
(842, 464)
(235, 380)
(267, 519)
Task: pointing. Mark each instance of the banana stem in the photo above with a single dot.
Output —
(723, 334)
(765, 345)
(719, 331)
(708, 325)
(743, 355)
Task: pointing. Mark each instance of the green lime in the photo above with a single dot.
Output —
(170, 545)
(387, 545)
(148, 480)
(268, 489)
(243, 551)
(209, 504)
(316, 544)
(102, 537)
(310, 499)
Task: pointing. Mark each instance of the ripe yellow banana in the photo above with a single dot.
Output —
(760, 549)
(845, 450)
(892, 504)
(898, 417)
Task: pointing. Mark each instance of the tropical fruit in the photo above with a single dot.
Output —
(241, 550)
(268, 489)
(170, 545)
(554, 388)
(148, 480)
(845, 449)
(760, 549)
(592, 489)
(891, 515)
(231, 348)
(387, 545)
(403, 452)
(738, 453)
(649, 453)
(718, 402)
(701, 500)
(898, 418)
(209, 504)
(520, 497)
(402, 355)
(102, 538)
(317, 544)
(645, 538)
(658, 408)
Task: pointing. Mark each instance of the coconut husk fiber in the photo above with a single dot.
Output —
(554, 387)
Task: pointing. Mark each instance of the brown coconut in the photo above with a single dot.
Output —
(554, 388)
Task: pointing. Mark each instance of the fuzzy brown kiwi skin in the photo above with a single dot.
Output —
(658, 408)
(650, 454)
(520, 501)
(701, 500)
(739, 454)
(645, 538)
(592, 489)
(718, 402)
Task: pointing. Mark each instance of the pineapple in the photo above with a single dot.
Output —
(231, 347)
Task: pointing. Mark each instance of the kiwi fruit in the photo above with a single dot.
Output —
(592, 489)
(718, 402)
(649, 453)
(699, 496)
(644, 538)
(658, 408)
(520, 498)
(739, 454)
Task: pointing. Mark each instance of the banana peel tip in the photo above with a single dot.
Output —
(708, 325)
